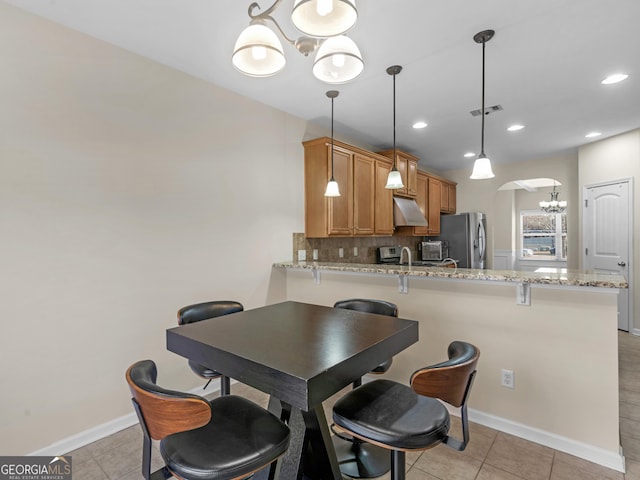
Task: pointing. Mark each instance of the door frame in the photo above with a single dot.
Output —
(630, 262)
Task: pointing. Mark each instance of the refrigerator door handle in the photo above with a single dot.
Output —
(481, 240)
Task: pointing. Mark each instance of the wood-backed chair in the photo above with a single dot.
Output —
(400, 418)
(358, 459)
(224, 439)
(204, 311)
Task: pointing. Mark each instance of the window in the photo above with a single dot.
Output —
(543, 236)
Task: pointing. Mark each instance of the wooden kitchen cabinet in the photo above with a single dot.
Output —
(422, 199)
(434, 199)
(364, 183)
(407, 165)
(448, 197)
(383, 209)
(362, 209)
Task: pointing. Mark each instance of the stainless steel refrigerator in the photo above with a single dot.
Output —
(465, 238)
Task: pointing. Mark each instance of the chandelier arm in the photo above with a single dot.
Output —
(266, 15)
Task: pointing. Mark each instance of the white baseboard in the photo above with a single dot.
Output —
(582, 450)
(585, 451)
(99, 432)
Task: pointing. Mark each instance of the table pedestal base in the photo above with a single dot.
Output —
(361, 459)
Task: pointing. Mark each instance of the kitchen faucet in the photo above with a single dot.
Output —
(408, 255)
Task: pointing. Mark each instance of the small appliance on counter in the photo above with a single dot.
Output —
(432, 251)
(391, 256)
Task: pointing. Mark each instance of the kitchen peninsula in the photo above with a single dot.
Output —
(557, 332)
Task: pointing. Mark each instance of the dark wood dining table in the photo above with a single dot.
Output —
(300, 354)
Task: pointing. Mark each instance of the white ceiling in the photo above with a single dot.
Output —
(544, 67)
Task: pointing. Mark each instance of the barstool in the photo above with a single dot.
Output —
(204, 311)
(356, 458)
(226, 438)
(402, 418)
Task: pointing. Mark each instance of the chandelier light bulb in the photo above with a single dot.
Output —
(324, 18)
(338, 60)
(258, 52)
(324, 7)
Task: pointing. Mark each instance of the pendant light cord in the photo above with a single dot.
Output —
(332, 179)
(483, 112)
(394, 121)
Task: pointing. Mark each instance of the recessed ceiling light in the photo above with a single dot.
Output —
(615, 78)
(515, 128)
(420, 125)
(469, 154)
(593, 134)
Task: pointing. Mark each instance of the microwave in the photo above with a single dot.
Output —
(431, 250)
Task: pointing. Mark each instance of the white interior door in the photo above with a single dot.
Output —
(607, 220)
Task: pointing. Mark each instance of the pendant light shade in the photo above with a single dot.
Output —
(258, 52)
(332, 187)
(338, 60)
(482, 166)
(324, 18)
(394, 180)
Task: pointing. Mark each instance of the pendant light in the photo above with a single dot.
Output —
(394, 180)
(482, 165)
(332, 186)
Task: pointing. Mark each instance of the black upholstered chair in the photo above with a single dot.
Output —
(204, 311)
(227, 438)
(358, 459)
(402, 418)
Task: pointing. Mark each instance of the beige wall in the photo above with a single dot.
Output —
(483, 196)
(127, 190)
(562, 349)
(616, 158)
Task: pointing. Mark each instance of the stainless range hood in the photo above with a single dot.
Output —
(406, 213)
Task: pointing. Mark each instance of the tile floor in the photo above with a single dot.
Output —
(491, 455)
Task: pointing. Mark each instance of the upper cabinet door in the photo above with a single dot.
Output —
(383, 222)
(363, 195)
(422, 199)
(435, 192)
(341, 208)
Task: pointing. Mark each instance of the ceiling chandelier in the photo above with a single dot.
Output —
(554, 205)
(258, 51)
(482, 165)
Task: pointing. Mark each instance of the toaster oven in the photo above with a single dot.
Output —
(431, 251)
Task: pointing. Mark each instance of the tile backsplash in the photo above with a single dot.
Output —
(329, 248)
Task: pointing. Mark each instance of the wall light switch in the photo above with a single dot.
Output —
(355, 251)
(315, 254)
(302, 255)
(341, 252)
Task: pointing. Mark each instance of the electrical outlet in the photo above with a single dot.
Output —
(341, 252)
(355, 251)
(315, 254)
(508, 379)
(302, 255)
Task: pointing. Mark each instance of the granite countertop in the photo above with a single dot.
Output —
(545, 277)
